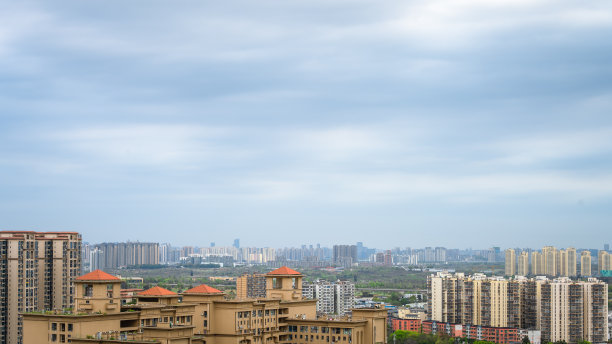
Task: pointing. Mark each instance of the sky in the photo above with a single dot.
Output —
(457, 123)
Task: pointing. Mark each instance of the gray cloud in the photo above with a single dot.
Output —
(400, 117)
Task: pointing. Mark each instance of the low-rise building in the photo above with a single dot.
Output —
(200, 315)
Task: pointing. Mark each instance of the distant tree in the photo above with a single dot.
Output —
(526, 340)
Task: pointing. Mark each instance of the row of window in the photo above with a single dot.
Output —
(324, 329)
(62, 327)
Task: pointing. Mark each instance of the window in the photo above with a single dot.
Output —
(205, 314)
(62, 327)
(54, 337)
(69, 327)
(87, 290)
(53, 326)
(294, 283)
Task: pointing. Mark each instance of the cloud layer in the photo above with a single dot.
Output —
(350, 121)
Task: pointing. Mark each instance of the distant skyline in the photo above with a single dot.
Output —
(456, 123)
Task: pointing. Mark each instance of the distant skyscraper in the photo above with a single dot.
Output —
(345, 254)
(607, 247)
(212, 244)
(236, 243)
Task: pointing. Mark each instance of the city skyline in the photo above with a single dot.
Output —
(486, 123)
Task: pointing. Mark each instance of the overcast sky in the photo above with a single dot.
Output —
(458, 123)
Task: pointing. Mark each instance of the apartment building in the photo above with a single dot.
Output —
(36, 273)
(201, 315)
(332, 297)
(523, 264)
(251, 286)
(561, 309)
(550, 262)
(585, 263)
(345, 255)
(124, 254)
(604, 261)
(510, 262)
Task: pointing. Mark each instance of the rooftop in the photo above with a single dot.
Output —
(98, 275)
(157, 291)
(284, 271)
(203, 289)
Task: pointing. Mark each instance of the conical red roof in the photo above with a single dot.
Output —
(284, 271)
(156, 291)
(97, 275)
(203, 289)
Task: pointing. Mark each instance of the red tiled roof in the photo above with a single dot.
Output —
(203, 289)
(156, 291)
(97, 275)
(284, 271)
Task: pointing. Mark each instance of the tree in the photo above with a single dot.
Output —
(526, 340)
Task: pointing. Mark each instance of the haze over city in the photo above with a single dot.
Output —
(409, 123)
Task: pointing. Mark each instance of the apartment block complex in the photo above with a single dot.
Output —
(345, 255)
(36, 273)
(561, 309)
(201, 315)
(123, 254)
(251, 286)
(332, 297)
(548, 262)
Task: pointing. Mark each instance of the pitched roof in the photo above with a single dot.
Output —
(284, 271)
(157, 291)
(203, 289)
(97, 275)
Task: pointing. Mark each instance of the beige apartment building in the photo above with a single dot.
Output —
(549, 262)
(510, 262)
(36, 273)
(561, 309)
(585, 263)
(523, 264)
(201, 315)
(604, 261)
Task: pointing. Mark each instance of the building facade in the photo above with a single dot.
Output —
(561, 309)
(36, 274)
(251, 286)
(201, 315)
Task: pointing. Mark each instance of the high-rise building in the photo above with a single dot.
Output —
(523, 264)
(537, 264)
(345, 254)
(510, 262)
(124, 254)
(236, 243)
(571, 262)
(332, 297)
(561, 308)
(440, 254)
(550, 254)
(251, 286)
(96, 259)
(604, 261)
(585, 263)
(36, 273)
